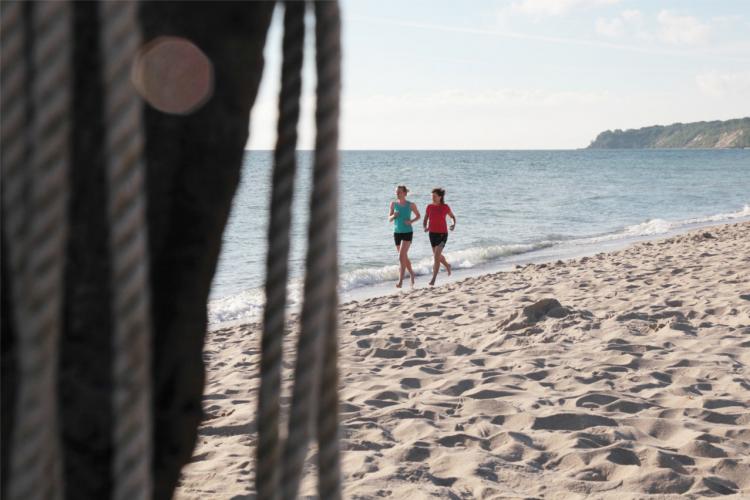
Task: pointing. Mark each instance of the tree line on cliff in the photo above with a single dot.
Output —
(714, 134)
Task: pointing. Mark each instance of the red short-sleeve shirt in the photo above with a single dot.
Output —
(436, 215)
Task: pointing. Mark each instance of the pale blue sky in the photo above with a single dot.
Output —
(523, 74)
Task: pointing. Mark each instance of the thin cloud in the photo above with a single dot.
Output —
(461, 99)
(552, 39)
(717, 84)
(682, 30)
(613, 28)
(555, 7)
(629, 21)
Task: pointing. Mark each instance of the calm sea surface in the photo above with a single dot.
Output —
(509, 205)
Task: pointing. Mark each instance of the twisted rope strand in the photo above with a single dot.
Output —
(277, 268)
(35, 131)
(128, 248)
(328, 62)
(15, 149)
(318, 315)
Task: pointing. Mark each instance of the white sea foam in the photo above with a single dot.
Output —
(745, 212)
(248, 305)
(459, 259)
(661, 226)
(647, 228)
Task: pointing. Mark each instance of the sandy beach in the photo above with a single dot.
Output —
(620, 375)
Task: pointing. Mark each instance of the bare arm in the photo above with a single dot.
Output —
(450, 214)
(391, 213)
(426, 219)
(417, 215)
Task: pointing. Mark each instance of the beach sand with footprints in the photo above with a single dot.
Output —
(620, 375)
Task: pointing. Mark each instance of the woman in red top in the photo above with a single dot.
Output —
(434, 221)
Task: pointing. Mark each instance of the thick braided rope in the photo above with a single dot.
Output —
(328, 62)
(277, 259)
(36, 229)
(130, 298)
(321, 271)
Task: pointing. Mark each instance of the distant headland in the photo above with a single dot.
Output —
(715, 134)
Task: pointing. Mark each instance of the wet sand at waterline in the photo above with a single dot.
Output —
(621, 375)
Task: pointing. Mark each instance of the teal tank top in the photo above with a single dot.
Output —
(404, 214)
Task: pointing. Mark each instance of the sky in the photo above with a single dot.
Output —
(520, 74)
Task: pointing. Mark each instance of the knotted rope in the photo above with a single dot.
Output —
(277, 268)
(130, 298)
(36, 96)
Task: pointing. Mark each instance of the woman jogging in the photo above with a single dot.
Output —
(434, 221)
(400, 213)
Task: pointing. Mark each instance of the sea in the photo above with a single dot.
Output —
(512, 207)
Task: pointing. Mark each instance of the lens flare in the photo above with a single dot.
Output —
(173, 75)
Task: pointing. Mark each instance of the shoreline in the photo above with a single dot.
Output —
(564, 250)
(618, 375)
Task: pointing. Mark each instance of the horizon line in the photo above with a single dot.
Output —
(432, 149)
(518, 149)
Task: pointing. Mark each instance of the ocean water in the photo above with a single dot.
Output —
(511, 206)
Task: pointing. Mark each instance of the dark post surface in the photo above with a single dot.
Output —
(86, 356)
(193, 169)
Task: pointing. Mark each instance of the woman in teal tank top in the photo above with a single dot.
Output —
(400, 213)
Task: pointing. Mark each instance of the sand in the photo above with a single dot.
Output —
(620, 375)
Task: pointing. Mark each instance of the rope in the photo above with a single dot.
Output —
(130, 298)
(328, 62)
(277, 272)
(318, 310)
(35, 133)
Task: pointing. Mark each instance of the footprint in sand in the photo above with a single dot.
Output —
(431, 371)
(539, 375)
(391, 395)
(427, 314)
(415, 362)
(712, 404)
(588, 440)
(701, 448)
(411, 383)
(388, 353)
(572, 422)
(417, 453)
(627, 407)
(364, 331)
(380, 403)
(459, 388)
(622, 456)
(462, 350)
(720, 485)
(490, 394)
(595, 400)
(461, 440)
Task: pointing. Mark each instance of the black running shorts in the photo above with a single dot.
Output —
(438, 239)
(399, 237)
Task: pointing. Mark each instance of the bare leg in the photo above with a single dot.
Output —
(437, 252)
(405, 262)
(400, 267)
(445, 263)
